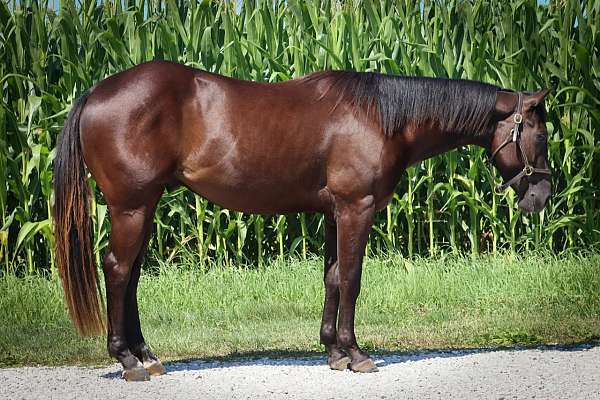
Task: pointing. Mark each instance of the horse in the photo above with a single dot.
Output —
(333, 142)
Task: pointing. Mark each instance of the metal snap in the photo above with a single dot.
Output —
(518, 118)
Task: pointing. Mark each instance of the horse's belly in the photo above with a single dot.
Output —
(267, 194)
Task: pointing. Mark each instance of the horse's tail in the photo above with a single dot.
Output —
(73, 229)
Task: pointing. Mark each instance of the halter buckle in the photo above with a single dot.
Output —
(514, 134)
(528, 170)
(517, 118)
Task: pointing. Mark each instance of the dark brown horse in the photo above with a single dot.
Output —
(331, 142)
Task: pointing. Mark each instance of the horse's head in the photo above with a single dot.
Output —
(519, 147)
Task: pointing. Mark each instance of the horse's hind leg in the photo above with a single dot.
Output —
(336, 358)
(135, 338)
(126, 241)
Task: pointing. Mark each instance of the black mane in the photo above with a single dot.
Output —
(454, 105)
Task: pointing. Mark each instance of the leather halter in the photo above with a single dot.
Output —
(515, 137)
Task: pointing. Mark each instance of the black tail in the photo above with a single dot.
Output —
(73, 229)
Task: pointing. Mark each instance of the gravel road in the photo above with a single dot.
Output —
(543, 373)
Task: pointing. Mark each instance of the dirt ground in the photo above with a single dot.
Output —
(544, 373)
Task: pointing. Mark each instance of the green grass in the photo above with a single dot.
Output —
(404, 305)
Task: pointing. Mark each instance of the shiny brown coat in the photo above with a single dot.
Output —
(301, 145)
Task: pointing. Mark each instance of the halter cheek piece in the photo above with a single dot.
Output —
(515, 136)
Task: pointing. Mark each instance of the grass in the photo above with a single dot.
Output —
(404, 305)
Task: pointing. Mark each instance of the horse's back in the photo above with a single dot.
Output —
(248, 146)
(255, 147)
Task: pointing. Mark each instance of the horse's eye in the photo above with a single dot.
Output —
(540, 137)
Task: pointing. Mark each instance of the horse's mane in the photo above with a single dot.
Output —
(454, 105)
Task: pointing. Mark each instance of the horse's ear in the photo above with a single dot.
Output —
(506, 103)
(535, 99)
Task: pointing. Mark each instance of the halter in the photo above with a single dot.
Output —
(515, 137)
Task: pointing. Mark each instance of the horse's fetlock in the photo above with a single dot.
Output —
(345, 339)
(116, 346)
(328, 335)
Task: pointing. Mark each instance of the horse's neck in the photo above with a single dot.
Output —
(421, 143)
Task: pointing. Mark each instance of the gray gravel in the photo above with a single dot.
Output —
(543, 373)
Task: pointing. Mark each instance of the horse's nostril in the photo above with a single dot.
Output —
(532, 194)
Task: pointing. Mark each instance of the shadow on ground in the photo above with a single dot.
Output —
(381, 358)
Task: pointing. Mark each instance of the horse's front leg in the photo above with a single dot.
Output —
(354, 222)
(336, 357)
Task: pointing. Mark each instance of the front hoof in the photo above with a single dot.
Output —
(155, 367)
(365, 366)
(136, 374)
(339, 364)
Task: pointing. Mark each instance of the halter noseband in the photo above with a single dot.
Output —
(515, 136)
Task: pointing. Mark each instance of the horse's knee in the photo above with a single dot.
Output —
(349, 290)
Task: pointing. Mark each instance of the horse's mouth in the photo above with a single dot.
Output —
(535, 197)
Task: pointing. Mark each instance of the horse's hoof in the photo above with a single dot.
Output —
(155, 368)
(136, 374)
(366, 365)
(341, 364)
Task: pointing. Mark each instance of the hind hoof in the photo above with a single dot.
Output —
(341, 364)
(364, 366)
(136, 374)
(155, 368)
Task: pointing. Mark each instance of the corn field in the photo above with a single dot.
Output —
(52, 51)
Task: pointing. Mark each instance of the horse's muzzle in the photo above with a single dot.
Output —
(536, 196)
